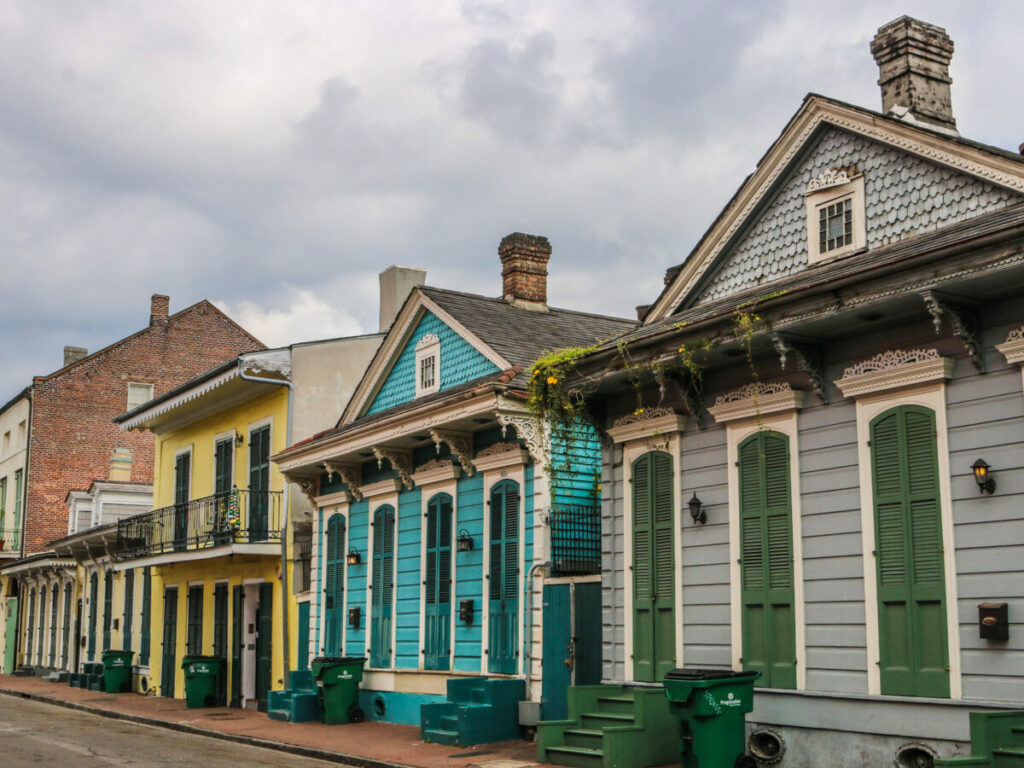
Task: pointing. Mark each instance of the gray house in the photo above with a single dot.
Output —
(814, 454)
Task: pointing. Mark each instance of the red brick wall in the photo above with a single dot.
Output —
(72, 434)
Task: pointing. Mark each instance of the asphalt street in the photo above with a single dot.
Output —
(35, 734)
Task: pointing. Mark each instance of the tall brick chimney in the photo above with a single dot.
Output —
(913, 64)
(524, 270)
(74, 354)
(158, 309)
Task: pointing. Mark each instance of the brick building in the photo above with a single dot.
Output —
(72, 435)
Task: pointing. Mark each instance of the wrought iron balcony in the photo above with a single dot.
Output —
(575, 540)
(235, 517)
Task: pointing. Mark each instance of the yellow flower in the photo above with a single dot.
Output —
(638, 411)
(552, 380)
(598, 487)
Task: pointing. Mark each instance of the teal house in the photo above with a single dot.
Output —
(455, 544)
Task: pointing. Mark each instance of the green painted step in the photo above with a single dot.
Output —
(1017, 737)
(605, 720)
(580, 757)
(591, 738)
(441, 736)
(1008, 757)
(616, 705)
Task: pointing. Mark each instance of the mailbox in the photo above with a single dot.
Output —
(354, 616)
(993, 621)
(466, 611)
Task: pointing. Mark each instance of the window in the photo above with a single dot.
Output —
(835, 215)
(21, 434)
(428, 365)
(7, 441)
(138, 394)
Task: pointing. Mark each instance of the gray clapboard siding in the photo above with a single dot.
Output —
(836, 681)
(848, 659)
(826, 522)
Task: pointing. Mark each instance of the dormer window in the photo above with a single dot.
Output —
(428, 365)
(835, 215)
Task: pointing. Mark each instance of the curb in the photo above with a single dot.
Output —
(354, 761)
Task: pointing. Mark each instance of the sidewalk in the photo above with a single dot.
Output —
(369, 744)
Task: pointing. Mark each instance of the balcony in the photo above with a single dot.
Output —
(235, 517)
(575, 540)
(10, 541)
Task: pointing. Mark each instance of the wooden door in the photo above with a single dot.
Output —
(334, 586)
(503, 587)
(438, 605)
(382, 586)
(264, 641)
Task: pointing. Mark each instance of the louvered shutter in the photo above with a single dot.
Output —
(438, 572)
(664, 573)
(334, 592)
(504, 578)
(382, 586)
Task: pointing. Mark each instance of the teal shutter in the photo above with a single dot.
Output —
(653, 567)
(334, 586)
(382, 587)
(766, 551)
(914, 658)
(437, 643)
(503, 578)
(144, 628)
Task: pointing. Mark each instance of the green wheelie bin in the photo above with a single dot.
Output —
(711, 705)
(202, 674)
(337, 683)
(117, 671)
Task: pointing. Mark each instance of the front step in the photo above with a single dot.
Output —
(441, 736)
(1008, 757)
(581, 757)
(478, 711)
(283, 715)
(616, 705)
(591, 738)
(601, 720)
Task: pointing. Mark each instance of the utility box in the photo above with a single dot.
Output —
(993, 621)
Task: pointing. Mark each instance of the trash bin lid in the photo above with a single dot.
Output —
(338, 660)
(199, 657)
(705, 673)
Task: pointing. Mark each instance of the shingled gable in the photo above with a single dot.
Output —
(816, 115)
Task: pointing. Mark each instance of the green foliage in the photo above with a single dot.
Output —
(547, 396)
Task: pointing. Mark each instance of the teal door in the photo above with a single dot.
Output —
(237, 600)
(302, 662)
(264, 637)
(437, 650)
(382, 586)
(169, 666)
(182, 485)
(571, 647)
(259, 482)
(503, 590)
(10, 635)
(334, 586)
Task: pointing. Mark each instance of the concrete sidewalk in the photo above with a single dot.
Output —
(369, 744)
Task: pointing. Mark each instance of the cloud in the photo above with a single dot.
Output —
(301, 316)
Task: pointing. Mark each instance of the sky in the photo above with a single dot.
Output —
(274, 157)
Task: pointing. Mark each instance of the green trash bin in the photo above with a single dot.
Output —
(117, 671)
(337, 683)
(202, 674)
(711, 705)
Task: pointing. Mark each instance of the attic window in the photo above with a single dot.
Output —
(428, 365)
(835, 215)
(138, 394)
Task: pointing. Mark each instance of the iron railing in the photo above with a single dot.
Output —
(234, 517)
(11, 538)
(575, 540)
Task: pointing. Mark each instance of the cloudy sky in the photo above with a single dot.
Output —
(274, 157)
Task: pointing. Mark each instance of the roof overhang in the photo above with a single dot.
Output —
(89, 545)
(268, 549)
(36, 564)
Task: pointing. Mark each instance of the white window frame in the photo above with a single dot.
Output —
(827, 189)
(129, 395)
(428, 347)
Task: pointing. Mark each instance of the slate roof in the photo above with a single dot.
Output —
(521, 335)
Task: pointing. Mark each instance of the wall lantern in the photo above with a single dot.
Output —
(982, 478)
(465, 542)
(239, 438)
(697, 511)
(353, 556)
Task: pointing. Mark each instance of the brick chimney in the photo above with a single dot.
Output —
(913, 64)
(524, 270)
(120, 465)
(158, 309)
(74, 354)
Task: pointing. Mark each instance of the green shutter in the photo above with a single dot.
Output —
(913, 653)
(94, 596)
(223, 453)
(382, 587)
(237, 603)
(108, 607)
(437, 644)
(259, 483)
(194, 626)
(503, 575)
(334, 586)
(144, 628)
(169, 667)
(766, 559)
(128, 614)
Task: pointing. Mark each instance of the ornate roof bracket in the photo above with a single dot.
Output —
(400, 460)
(963, 320)
(808, 359)
(349, 474)
(306, 484)
(529, 429)
(459, 443)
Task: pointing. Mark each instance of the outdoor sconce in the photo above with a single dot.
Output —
(466, 611)
(353, 556)
(465, 542)
(239, 438)
(697, 511)
(982, 478)
(354, 615)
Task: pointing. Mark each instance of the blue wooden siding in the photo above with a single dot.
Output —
(358, 531)
(469, 514)
(407, 580)
(575, 467)
(460, 362)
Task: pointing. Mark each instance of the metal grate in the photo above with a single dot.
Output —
(575, 540)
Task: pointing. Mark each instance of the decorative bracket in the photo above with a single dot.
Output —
(529, 429)
(808, 360)
(349, 474)
(308, 486)
(962, 318)
(400, 460)
(460, 444)
(691, 389)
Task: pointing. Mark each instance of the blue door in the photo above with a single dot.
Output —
(503, 579)
(438, 606)
(383, 586)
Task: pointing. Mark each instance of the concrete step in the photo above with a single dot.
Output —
(581, 757)
(441, 736)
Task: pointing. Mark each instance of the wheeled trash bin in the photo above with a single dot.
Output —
(337, 683)
(711, 705)
(117, 671)
(202, 676)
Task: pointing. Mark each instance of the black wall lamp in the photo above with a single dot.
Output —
(465, 542)
(239, 438)
(697, 511)
(353, 556)
(982, 477)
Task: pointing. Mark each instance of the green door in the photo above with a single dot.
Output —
(382, 586)
(94, 596)
(654, 635)
(503, 590)
(259, 482)
(10, 635)
(65, 643)
(237, 601)
(30, 626)
(766, 559)
(194, 621)
(437, 646)
(144, 619)
(108, 607)
(54, 596)
(302, 652)
(571, 645)
(128, 613)
(182, 485)
(334, 587)
(264, 638)
(169, 666)
(914, 658)
(42, 622)
(220, 638)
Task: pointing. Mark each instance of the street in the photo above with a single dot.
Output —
(34, 734)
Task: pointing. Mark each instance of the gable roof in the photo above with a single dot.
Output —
(997, 166)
